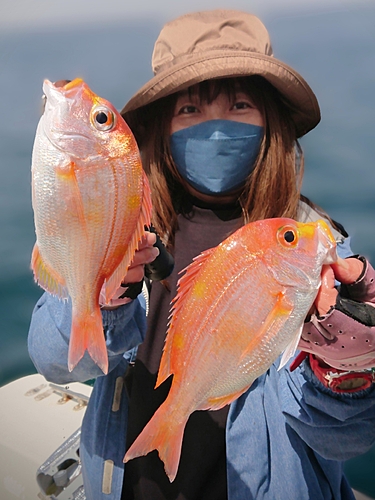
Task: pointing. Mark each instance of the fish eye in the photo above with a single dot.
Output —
(102, 118)
(288, 236)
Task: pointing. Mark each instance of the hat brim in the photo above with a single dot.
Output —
(195, 69)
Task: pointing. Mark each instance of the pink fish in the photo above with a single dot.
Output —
(238, 307)
(91, 201)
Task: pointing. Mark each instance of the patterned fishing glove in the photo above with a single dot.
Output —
(340, 343)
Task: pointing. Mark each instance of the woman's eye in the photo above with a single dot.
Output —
(242, 105)
(188, 109)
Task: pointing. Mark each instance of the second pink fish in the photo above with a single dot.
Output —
(238, 307)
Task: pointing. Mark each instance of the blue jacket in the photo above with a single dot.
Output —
(286, 436)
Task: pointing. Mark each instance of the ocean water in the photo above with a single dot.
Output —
(335, 52)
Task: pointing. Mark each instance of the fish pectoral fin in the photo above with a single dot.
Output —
(273, 323)
(46, 277)
(290, 348)
(66, 173)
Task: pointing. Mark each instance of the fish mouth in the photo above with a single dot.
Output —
(56, 93)
(60, 97)
(62, 86)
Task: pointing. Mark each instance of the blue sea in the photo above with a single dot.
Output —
(334, 51)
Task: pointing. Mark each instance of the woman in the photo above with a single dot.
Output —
(286, 437)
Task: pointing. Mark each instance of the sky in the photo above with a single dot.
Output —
(38, 14)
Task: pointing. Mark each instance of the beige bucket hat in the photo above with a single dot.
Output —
(222, 43)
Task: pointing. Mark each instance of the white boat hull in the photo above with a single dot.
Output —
(36, 419)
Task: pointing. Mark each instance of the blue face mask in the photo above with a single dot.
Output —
(216, 156)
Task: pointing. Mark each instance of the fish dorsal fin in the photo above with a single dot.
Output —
(46, 277)
(184, 285)
(188, 279)
(114, 281)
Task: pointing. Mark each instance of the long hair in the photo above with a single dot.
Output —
(273, 187)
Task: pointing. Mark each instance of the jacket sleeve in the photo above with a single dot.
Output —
(337, 426)
(49, 333)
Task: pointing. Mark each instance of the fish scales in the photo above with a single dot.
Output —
(238, 307)
(64, 245)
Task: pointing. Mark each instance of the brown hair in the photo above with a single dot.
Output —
(273, 187)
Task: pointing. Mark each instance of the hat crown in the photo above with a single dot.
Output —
(209, 31)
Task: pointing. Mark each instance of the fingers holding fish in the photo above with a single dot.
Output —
(131, 285)
(145, 254)
(348, 271)
(327, 293)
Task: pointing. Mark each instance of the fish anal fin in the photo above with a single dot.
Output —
(165, 365)
(114, 281)
(46, 277)
(275, 320)
(220, 402)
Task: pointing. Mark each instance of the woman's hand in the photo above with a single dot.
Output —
(341, 330)
(145, 254)
(346, 271)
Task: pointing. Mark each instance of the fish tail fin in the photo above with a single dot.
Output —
(87, 334)
(164, 435)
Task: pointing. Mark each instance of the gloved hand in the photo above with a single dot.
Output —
(345, 271)
(145, 254)
(341, 330)
(339, 339)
